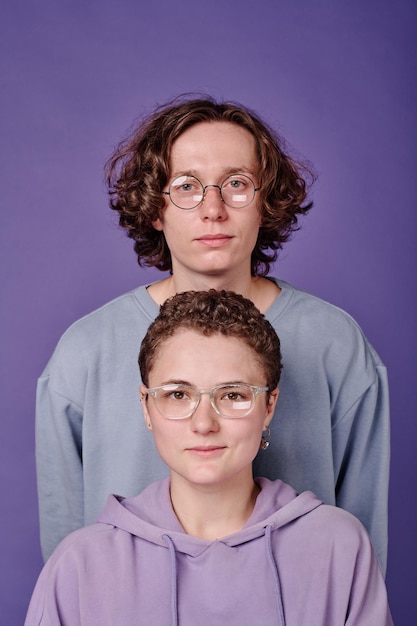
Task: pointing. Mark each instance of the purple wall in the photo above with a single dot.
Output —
(335, 77)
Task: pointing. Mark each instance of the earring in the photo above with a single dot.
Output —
(264, 441)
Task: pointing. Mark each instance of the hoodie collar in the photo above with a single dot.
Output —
(150, 515)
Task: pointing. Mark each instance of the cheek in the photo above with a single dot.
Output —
(249, 436)
(166, 438)
(251, 229)
(175, 231)
(162, 445)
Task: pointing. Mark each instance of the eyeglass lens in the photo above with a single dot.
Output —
(179, 401)
(187, 192)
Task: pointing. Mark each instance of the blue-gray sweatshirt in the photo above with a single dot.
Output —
(330, 433)
(296, 562)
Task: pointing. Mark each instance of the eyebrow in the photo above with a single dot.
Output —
(227, 172)
(175, 382)
(186, 382)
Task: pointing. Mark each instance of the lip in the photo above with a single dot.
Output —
(206, 451)
(214, 241)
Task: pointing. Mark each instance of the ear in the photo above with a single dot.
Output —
(146, 417)
(270, 409)
(157, 225)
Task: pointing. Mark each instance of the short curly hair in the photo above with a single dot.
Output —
(212, 313)
(139, 169)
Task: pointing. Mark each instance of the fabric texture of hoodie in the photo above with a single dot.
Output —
(296, 562)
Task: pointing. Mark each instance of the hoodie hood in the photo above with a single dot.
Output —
(277, 506)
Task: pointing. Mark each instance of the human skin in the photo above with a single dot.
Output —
(209, 456)
(211, 245)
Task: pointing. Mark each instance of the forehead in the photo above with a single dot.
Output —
(222, 143)
(205, 361)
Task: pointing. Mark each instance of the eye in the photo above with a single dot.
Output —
(236, 182)
(175, 394)
(235, 394)
(185, 185)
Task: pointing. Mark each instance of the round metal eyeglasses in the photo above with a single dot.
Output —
(176, 401)
(187, 192)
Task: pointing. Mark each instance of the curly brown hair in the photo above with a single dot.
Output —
(139, 170)
(211, 313)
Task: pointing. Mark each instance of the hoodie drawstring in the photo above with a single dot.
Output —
(174, 596)
(270, 556)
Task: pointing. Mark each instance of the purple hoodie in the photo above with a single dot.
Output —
(297, 562)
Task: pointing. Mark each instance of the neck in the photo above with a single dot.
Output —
(260, 291)
(210, 512)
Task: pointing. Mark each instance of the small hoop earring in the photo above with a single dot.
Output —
(264, 441)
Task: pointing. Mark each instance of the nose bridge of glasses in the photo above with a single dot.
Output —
(205, 187)
(198, 396)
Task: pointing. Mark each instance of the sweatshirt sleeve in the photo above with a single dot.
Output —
(59, 464)
(368, 602)
(56, 598)
(43, 609)
(361, 449)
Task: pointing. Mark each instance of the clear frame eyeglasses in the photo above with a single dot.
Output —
(187, 192)
(231, 400)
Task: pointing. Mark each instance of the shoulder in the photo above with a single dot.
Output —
(135, 304)
(113, 324)
(319, 529)
(79, 545)
(305, 514)
(313, 308)
(339, 527)
(319, 325)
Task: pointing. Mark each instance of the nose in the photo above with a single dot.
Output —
(212, 206)
(204, 419)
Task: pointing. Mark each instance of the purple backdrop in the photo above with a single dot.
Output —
(336, 78)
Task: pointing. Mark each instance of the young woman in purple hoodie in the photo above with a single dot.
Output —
(210, 544)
